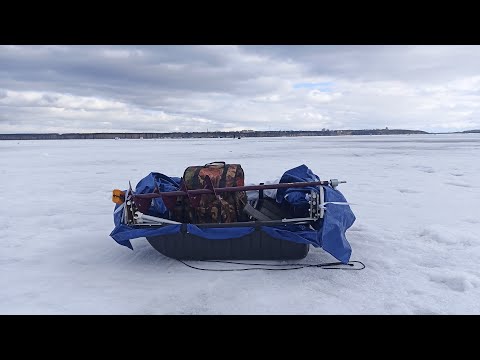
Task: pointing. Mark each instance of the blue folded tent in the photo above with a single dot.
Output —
(330, 235)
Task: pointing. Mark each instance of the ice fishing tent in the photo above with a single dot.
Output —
(251, 240)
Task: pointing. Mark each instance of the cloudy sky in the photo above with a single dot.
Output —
(200, 88)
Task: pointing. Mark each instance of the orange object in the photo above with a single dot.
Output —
(118, 196)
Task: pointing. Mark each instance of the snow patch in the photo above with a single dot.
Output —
(458, 184)
(460, 282)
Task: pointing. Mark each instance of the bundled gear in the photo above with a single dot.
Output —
(212, 208)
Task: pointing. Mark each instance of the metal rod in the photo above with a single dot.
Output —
(254, 223)
(296, 221)
(141, 216)
(234, 189)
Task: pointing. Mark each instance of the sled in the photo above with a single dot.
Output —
(268, 232)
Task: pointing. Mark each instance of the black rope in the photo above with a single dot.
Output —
(326, 266)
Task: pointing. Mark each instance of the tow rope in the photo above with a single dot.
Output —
(351, 265)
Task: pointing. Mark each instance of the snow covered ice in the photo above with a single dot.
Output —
(417, 230)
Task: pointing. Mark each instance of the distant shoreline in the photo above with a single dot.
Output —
(214, 134)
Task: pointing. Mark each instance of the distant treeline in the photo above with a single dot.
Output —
(209, 134)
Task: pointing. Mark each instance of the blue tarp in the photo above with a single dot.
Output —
(330, 235)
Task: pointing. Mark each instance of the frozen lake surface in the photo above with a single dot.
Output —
(417, 230)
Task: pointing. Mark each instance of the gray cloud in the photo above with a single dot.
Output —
(192, 88)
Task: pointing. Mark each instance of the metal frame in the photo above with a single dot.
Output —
(140, 219)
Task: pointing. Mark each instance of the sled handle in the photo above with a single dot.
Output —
(118, 196)
(215, 162)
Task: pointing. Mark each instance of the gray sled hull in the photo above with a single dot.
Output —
(254, 246)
